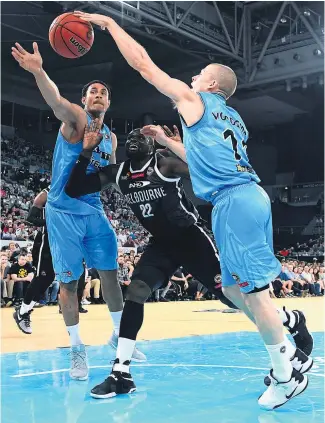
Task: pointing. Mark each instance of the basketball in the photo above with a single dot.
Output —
(70, 36)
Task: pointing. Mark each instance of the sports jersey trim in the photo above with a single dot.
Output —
(119, 173)
(210, 240)
(161, 176)
(203, 114)
(140, 170)
(182, 205)
(40, 250)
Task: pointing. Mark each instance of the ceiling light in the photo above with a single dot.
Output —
(283, 20)
(179, 15)
(317, 52)
(297, 57)
(257, 26)
(306, 12)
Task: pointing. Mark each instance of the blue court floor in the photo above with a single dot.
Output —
(204, 379)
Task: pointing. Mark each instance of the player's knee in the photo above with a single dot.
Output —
(138, 292)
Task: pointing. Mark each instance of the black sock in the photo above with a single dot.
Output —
(132, 319)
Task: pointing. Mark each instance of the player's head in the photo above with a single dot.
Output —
(138, 146)
(215, 78)
(96, 97)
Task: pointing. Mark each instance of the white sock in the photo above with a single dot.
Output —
(74, 335)
(25, 308)
(124, 353)
(280, 358)
(287, 317)
(116, 317)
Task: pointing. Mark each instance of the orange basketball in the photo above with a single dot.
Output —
(70, 36)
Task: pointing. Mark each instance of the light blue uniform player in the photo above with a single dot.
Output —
(78, 227)
(221, 174)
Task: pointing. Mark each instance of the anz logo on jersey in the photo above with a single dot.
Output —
(139, 184)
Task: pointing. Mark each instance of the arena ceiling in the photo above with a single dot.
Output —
(276, 48)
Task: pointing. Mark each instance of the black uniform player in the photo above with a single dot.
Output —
(42, 261)
(151, 183)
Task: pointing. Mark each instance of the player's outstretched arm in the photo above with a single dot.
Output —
(138, 59)
(32, 62)
(176, 146)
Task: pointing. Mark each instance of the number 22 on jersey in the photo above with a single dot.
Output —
(146, 210)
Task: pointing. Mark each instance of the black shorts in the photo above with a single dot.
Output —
(42, 258)
(193, 250)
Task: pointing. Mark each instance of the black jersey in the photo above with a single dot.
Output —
(158, 202)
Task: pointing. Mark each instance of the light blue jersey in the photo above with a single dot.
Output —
(216, 149)
(64, 158)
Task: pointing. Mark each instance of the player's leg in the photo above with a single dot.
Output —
(152, 271)
(198, 255)
(95, 284)
(247, 255)
(101, 253)
(67, 255)
(43, 279)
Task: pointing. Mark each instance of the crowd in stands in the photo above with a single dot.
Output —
(299, 279)
(314, 247)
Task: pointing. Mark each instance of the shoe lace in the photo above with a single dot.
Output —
(78, 359)
(26, 318)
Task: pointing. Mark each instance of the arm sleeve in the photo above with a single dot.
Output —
(35, 217)
(80, 183)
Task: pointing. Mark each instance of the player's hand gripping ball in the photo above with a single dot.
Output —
(70, 36)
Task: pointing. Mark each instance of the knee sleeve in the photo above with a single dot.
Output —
(138, 292)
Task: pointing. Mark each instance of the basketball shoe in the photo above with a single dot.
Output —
(116, 383)
(79, 363)
(278, 393)
(300, 362)
(23, 321)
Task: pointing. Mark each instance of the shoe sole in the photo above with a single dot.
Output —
(79, 378)
(303, 388)
(137, 360)
(111, 394)
(17, 323)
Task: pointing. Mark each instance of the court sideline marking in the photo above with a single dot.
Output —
(156, 365)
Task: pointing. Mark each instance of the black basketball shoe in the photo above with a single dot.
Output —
(303, 339)
(300, 362)
(116, 383)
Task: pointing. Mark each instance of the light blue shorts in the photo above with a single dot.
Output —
(74, 238)
(242, 226)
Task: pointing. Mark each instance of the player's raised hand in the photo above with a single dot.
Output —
(95, 18)
(32, 62)
(175, 136)
(156, 132)
(93, 136)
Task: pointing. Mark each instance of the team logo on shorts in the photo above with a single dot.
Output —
(236, 277)
(150, 171)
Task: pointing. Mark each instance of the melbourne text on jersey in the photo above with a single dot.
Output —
(145, 195)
